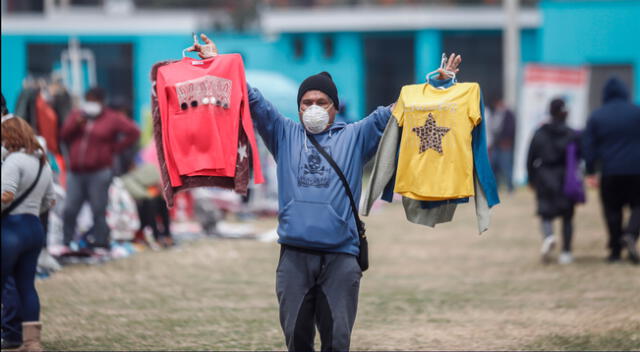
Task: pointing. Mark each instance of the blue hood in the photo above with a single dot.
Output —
(615, 89)
(610, 140)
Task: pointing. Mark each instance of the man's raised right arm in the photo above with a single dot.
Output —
(271, 125)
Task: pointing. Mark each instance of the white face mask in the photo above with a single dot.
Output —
(315, 119)
(91, 109)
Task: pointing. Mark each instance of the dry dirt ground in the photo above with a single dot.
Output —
(428, 289)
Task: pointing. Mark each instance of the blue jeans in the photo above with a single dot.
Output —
(11, 320)
(22, 240)
(94, 188)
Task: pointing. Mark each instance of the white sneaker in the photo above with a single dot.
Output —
(548, 244)
(565, 258)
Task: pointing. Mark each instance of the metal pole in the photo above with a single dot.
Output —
(511, 52)
(49, 7)
(76, 66)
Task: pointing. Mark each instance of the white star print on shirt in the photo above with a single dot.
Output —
(242, 151)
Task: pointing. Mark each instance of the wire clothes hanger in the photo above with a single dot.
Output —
(195, 41)
(442, 67)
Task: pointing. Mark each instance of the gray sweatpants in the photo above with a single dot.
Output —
(317, 289)
(92, 187)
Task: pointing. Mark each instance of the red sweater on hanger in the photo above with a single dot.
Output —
(203, 104)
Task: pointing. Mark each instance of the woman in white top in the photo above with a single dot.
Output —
(24, 171)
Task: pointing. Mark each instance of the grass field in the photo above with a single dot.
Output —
(427, 289)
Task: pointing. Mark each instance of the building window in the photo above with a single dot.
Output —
(17, 6)
(328, 46)
(298, 47)
(87, 3)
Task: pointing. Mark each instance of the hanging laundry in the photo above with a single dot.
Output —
(61, 103)
(47, 122)
(436, 158)
(26, 106)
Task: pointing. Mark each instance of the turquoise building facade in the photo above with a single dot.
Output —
(592, 33)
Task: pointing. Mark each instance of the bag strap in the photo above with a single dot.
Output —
(345, 183)
(24, 195)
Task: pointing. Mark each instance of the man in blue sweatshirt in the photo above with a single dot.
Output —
(318, 275)
(611, 143)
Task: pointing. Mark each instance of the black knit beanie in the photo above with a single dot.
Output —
(322, 82)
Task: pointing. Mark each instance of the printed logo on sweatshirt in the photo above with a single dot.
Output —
(314, 169)
(204, 90)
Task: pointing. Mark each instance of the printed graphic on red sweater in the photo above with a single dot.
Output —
(204, 90)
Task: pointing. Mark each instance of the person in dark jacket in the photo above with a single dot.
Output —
(546, 165)
(94, 134)
(502, 127)
(611, 144)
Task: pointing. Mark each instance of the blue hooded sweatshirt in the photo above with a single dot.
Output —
(611, 139)
(315, 212)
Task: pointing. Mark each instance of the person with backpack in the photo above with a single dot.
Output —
(26, 192)
(547, 170)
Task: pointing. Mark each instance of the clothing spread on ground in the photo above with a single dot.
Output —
(202, 125)
(436, 159)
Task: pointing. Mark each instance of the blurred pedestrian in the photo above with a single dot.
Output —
(502, 126)
(26, 192)
(95, 134)
(611, 145)
(546, 166)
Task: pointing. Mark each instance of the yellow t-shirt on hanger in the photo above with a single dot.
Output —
(436, 158)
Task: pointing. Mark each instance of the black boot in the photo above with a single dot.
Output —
(614, 256)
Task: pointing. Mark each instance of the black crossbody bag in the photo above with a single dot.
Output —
(363, 257)
(24, 195)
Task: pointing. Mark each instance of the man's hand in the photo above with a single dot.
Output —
(452, 66)
(206, 50)
(592, 181)
(7, 197)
